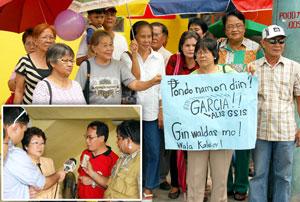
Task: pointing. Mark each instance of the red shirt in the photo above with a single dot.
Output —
(183, 69)
(102, 164)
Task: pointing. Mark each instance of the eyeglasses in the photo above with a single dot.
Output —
(19, 117)
(29, 44)
(237, 26)
(89, 137)
(37, 143)
(203, 53)
(45, 38)
(156, 35)
(274, 41)
(66, 61)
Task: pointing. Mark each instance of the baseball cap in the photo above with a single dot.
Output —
(272, 31)
(113, 9)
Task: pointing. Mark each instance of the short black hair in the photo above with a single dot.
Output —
(97, 11)
(209, 44)
(11, 113)
(187, 35)
(200, 22)
(163, 27)
(137, 26)
(28, 32)
(235, 13)
(130, 128)
(29, 133)
(101, 129)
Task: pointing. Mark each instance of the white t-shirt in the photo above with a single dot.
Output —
(120, 45)
(149, 98)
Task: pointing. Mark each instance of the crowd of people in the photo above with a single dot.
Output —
(107, 68)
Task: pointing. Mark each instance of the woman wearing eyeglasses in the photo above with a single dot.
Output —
(32, 67)
(238, 51)
(34, 144)
(57, 88)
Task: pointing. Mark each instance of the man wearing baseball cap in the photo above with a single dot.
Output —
(279, 87)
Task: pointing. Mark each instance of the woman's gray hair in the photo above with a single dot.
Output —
(56, 51)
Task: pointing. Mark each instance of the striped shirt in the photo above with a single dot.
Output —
(32, 74)
(277, 89)
(246, 53)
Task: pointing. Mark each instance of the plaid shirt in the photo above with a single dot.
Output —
(277, 89)
(246, 53)
(183, 69)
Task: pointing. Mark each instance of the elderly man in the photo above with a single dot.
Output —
(238, 51)
(279, 87)
(19, 173)
(160, 39)
(100, 156)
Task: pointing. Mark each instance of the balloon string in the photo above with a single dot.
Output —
(129, 20)
(42, 12)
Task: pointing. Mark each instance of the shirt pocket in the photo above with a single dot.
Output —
(285, 91)
(125, 184)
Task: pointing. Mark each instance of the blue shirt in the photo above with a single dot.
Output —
(18, 173)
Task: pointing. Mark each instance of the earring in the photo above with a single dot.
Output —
(130, 146)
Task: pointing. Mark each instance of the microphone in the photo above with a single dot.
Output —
(70, 165)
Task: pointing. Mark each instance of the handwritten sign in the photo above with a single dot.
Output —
(210, 111)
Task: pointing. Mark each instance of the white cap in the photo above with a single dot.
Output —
(272, 31)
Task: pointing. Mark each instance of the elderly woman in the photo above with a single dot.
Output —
(124, 181)
(238, 51)
(144, 64)
(57, 88)
(107, 74)
(29, 48)
(206, 54)
(34, 144)
(32, 67)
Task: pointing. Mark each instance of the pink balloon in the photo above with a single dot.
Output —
(69, 25)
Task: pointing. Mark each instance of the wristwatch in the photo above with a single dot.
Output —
(93, 184)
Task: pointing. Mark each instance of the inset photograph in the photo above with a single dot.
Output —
(71, 152)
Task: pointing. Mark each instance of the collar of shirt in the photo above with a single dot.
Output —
(281, 60)
(153, 54)
(244, 44)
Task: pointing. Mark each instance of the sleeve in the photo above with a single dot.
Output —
(126, 75)
(297, 80)
(79, 93)
(21, 66)
(171, 65)
(81, 74)
(41, 93)
(126, 60)
(22, 167)
(83, 47)
(89, 33)
(13, 76)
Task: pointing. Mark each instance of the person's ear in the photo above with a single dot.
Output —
(102, 138)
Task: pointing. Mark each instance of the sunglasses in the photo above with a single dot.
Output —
(274, 41)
